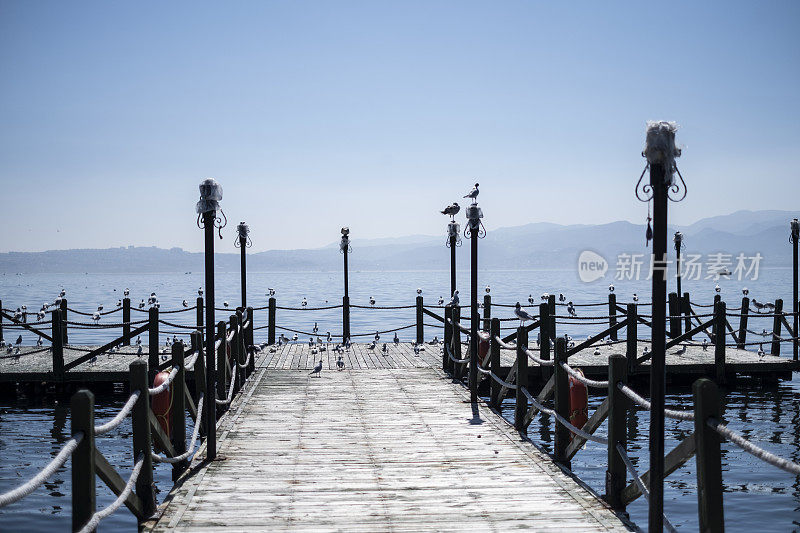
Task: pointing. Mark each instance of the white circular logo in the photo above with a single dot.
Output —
(591, 266)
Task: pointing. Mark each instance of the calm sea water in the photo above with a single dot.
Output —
(757, 495)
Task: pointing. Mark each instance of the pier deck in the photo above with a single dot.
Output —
(373, 450)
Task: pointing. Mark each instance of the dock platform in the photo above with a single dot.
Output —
(372, 449)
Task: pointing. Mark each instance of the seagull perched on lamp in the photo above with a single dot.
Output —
(452, 210)
(473, 194)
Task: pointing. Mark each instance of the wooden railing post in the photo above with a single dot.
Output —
(448, 334)
(345, 318)
(717, 299)
(521, 405)
(64, 335)
(744, 313)
(84, 499)
(458, 368)
(153, 347)
(776, 328)
(612, 315)
(200, 312)
(494, 361)
(420, 318)
(686, 309)
(720, 310)
(551, 308)
(561, 397)
(236, 352)
(250, 342)
(674, 315)
(178, 411)
(222, 365)
(616, 479)
(544, 339)
(707, 456)
(487, 312)
(142, 444)
(631, 334)
(1, 322)
(199, 374)
(58, 343)
(126, 321)
(271, 322)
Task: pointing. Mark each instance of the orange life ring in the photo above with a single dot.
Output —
(578, 403)
(161, 404)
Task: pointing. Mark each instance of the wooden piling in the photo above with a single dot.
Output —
(551, 308)
(271, 322)
(674, 315)
(494, 361)
(561, 401)
(126, 321)
(345, 316)
(456, 334)
(776, 328)
(420, 324)
(686, 309)
(153, 348)
(1, 322)
(487, 312)
(222, 365)
(544, 339)
(58, 344)
(744, 312)
(84, 499)
(142, 443)
(448, 335)
(631, 333)
(250, 342)
(521, 405)
(616, 475)
(236, 353)
(717, 299)
(199, 374)
(720, 310)
(707, 456)
(64, 335)
(199, 310)
(612, 315)
(178, 410)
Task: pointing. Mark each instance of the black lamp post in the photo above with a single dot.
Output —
(242, 243)
(345, 248)
(794, 237)
(660, 151)
(207, 207)
(473, 232)
(453, 241)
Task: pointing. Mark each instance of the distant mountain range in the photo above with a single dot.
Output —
(538, 245)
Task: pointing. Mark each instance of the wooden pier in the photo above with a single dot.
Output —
(388, 444)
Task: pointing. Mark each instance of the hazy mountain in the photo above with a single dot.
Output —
(538, 245)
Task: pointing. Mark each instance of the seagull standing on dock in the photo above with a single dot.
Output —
(473, 194)
(19, 342)
(452, 210)
(317, 369)
(522, 314)
(340, 363)
(454, 300)
(681, 350)
(705, 344)
(396, 338)
(39, 341)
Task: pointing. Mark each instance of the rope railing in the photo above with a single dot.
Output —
(91, 525)
(383, 307)
(229, 396)
(117, 420)
(101, 313)
(540, 362)
(174, 325)
(168, 311)
(505, 345)
(497, 378)
(97, 325)
(323, 308)
(36, 481)
(190, 450)
(165, 385)
(583, 379)
(638, 480)
(754, 450)
(670, 413)
(563, 421)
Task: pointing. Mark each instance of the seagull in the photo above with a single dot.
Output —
(371, 300)
(329, 337)
(294, 337)
(522, 314)
(139, 350)
(19, 341)
(93, 360)
(441, 300)
(611, 288)
(385, 349)
(340, 363)
(126, 292)
(705, 344)
(745, 291)
(311, 341)
(681, 350)
(99, 308)
(761, 352)
(175, 339)
(18, 315)
(717, 289)
(419, 292)
(139, 340)
(561, 297)
(317, 369)
(396, 338)
(168, 344)
(635, 297)
(452, 209)
(315, 329)
(454, 300)
(531, 300)
(226, 304)
(40, 316)
(473, 194)
(271, 291)
(200, 292)
(62, 293)
(377, 336)
(416, 349)
(141, 304)
(304, 303)
(571, 309)
(96, 317)
(371, 346)
(545, 297)
(185, 304)
(597, 350)
(9, 349)
(435, 340)
(39, 341)
(646, 350)
(488, 289)
(283, 339)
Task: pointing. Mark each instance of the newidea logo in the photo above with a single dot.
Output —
(591, 266)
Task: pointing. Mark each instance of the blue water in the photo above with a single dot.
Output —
(757, 495)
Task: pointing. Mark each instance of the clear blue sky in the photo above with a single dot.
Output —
(315, 115)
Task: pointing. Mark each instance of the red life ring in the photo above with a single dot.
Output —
(483, 348)
(578, 403)
(161, 404)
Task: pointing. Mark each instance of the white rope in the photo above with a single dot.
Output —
(117, 420)
(752, 449)
(504, 345)
(542, 362)
(670, 413)
(246, 363)
(190, 450)
(217, 344)
(450, 356)
(563, 421)
(497, 378)
(31, 485)
(91, 525)
(639, 483)
(164, 386)
(583, 379)
(190, 364)
(459, 326)
(229, 397)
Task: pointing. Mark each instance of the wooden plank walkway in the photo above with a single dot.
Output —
(373, 450)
